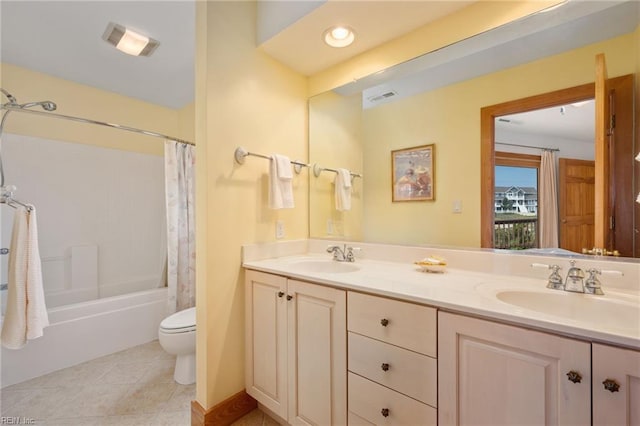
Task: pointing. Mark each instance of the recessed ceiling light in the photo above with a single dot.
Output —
(339, 36)
(129, 41)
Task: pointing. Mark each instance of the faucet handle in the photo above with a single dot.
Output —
(349, 255)
(555, 280)
(592, 284)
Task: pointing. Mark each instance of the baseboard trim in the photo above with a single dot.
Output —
(224, 413)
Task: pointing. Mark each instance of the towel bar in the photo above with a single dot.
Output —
(240, 154)
(317, 169)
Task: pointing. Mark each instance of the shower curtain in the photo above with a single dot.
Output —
(181, 236)
(548, 202)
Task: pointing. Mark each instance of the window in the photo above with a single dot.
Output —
(516, 201)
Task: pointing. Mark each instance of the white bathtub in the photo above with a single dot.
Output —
(84, 331)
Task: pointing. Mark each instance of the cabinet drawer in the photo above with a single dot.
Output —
(355, 420)
(367, 400)
(407, 372)
(408, 325)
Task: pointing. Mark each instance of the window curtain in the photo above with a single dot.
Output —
(548, 202)
(179, 160)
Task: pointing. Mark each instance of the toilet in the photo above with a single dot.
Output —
(177, 336)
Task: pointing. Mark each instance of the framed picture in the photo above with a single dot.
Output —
(413, 173)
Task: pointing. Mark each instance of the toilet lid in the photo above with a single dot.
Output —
(182, 319)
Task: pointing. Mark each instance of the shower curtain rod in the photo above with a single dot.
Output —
(89, 121)
(528, 146)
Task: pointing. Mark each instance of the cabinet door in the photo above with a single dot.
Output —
(266, 340)
(496, 374)
(621, 367)
(317, 355)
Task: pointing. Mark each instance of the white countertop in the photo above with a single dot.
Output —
(474, 293)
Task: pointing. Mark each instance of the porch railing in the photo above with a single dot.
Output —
(516, 234)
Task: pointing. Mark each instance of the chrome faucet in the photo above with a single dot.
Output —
(575, 279)
(344, 254)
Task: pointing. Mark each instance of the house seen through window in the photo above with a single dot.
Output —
(516, 207)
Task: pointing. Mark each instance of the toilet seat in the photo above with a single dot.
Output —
(179, 322)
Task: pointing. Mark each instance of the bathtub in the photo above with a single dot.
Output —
(83, 331)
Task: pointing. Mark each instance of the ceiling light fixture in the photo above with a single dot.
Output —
(339, 36)
(581, 103)
(129, 41)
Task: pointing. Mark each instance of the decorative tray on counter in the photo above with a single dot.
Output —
(432, 264)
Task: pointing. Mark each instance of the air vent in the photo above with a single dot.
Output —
(382, 96)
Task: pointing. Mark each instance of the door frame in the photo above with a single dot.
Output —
(620, 175)
(488, 115)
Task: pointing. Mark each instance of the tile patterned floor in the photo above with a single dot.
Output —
(132, 387)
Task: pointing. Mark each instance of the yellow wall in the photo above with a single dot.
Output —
(450, 118)
(469, 21)
(335, 141)
(243, 98)
(87, 102)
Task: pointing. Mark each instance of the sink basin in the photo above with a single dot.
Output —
(324, 266)
(605, 311)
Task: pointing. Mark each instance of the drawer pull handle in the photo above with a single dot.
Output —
(289, 297)
(280, 293)
(385, 366)
(384, 322)
(384, 412)
(611, 385)
(574, 376)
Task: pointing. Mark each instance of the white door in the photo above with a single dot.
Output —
(616, 386)
(317, 355)
(495, 374)
(266, 340)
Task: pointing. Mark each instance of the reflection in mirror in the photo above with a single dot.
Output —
(448, 116)
(563, 133)
(576, 176)
(335, 135)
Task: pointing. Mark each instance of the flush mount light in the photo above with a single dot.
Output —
(339, 36)
(129, 41)
(581, 103)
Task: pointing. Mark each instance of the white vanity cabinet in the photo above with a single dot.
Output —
(616, 386)
(392, 362)
(296, 349)
(492, 373)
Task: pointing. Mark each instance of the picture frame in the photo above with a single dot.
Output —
(413, 173)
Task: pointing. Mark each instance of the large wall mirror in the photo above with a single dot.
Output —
(357, 126)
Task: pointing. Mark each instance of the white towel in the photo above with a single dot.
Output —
(26, 313)
(343, 190)
(280, 182)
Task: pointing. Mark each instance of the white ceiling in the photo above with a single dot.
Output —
(300, 45)
(64, 39)
(573, 121)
